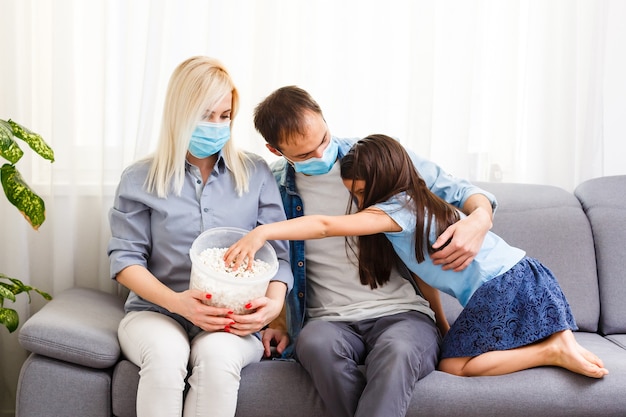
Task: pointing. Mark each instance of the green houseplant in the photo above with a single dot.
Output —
(24, 199)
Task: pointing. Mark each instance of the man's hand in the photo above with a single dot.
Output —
(274, 337)
(465, 239)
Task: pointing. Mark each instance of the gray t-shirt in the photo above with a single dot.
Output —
(334, 291)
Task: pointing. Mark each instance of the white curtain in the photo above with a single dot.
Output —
(501, 90)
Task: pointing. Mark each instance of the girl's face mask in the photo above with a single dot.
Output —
(209, 138)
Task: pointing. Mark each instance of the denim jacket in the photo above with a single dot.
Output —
(451, 189)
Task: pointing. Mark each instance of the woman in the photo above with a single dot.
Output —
(196, 180)
(515, 315)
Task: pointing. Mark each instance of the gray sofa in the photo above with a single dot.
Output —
(76, 368)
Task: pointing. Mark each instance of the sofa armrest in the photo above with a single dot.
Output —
(79, 326)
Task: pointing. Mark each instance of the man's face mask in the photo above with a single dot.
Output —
(209, 138)
(319, 166)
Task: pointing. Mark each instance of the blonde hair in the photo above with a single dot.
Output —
(197, 84)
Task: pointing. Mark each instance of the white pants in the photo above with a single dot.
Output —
(160, 347)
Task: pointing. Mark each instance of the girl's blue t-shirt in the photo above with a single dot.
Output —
(494, 258)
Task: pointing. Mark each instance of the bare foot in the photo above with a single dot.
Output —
(569, 356)
(590, 356)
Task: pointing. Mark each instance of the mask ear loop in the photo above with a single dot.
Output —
(289, 161)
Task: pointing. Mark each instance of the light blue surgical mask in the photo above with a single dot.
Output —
(209, 138)
(319, 166)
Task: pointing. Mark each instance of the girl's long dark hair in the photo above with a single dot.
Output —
(387, 169)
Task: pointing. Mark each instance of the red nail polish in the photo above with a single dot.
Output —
(226, 329)
(208, 296)
(230, 312)
(249, 305)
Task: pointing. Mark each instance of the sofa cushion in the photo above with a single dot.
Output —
(542, 391)
(124, 389)
(79, 326)
(264, 385)
(284, 389)
(261, 385)
(604, 201)
(550, 225)
(618, 339)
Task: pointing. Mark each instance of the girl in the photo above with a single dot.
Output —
(515, 315)
(195, 180)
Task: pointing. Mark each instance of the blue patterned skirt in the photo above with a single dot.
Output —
(520, 307)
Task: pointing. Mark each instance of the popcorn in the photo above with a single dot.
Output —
(214, 259)
(229, 288)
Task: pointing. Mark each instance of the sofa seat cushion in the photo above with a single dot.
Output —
(542, 391)
(618, 339)
(79, 326)
(283, 389)
(124, 389)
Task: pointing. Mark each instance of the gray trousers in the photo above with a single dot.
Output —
(396, 352)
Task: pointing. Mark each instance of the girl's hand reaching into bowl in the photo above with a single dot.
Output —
(244, 249)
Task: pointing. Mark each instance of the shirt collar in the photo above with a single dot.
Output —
(220, 165)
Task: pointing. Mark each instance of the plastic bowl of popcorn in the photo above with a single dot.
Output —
(229, 288)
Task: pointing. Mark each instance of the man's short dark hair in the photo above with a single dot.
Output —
(280, 116)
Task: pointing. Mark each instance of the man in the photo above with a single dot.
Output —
(335, 323)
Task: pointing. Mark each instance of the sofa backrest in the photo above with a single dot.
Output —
(550, 225)
(604, 202)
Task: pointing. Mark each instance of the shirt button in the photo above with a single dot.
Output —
(206, 210)
(199, 182)
(300, 294)
(298, 208)
(300, 264)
